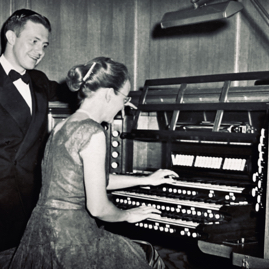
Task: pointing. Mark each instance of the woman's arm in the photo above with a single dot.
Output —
(97, 201)
(161, 176)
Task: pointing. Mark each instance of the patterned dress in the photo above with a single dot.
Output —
(61, 233)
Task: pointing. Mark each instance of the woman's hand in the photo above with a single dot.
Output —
(140, 213)
(161, 176)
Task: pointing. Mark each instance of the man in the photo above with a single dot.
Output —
(23, 120)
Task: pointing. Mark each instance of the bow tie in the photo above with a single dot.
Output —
(14, 75)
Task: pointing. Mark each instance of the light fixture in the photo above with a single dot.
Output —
(202, 13)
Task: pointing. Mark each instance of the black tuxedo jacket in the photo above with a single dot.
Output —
(22, 139)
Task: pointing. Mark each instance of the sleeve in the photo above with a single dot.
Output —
(85, 133)
(94, 128)
(54, 90)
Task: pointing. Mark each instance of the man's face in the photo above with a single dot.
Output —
(29, 47)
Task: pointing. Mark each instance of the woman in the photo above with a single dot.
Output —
(62, 231)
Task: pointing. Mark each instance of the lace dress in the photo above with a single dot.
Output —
(61, 233)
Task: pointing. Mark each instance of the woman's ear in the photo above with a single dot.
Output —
(109, 94)
(11, 37)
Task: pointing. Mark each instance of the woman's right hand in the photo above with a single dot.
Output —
(140, 213)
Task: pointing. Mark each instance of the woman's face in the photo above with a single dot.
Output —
(119, 100)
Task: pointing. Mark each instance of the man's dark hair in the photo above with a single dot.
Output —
(17, 21)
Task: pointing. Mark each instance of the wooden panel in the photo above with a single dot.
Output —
(253, 38)
(183, 51)
(5, 9)
(147, 155)
(129, 31)
(52, 63)
(210, 48)
(142, 43)
(83, 30)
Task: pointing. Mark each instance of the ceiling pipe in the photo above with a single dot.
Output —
(200, 13)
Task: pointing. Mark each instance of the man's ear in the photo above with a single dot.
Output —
(109, 94)
(11, 37)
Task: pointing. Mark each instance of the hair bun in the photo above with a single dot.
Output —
(74, 87)
(73, 79)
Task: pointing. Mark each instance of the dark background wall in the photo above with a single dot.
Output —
(128, 31)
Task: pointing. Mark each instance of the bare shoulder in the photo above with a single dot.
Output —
(96, 145)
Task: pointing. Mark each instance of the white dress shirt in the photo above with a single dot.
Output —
(23, 88)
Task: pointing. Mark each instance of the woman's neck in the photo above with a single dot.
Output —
(92, 109)
(85, 112)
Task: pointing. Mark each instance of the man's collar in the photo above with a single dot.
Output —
(7, 66)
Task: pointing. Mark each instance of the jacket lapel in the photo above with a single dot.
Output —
(12, 101)
(37, 128)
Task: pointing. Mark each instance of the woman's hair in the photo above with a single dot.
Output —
(101, 72)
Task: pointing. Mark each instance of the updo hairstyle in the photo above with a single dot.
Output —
(101, 72)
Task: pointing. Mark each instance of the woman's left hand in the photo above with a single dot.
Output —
(161, 176)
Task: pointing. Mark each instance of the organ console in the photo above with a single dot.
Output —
(216, 139)
(58, 111)
(213, 131)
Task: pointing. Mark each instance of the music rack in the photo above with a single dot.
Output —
(173, 96)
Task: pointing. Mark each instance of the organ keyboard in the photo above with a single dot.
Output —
(220, 196)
